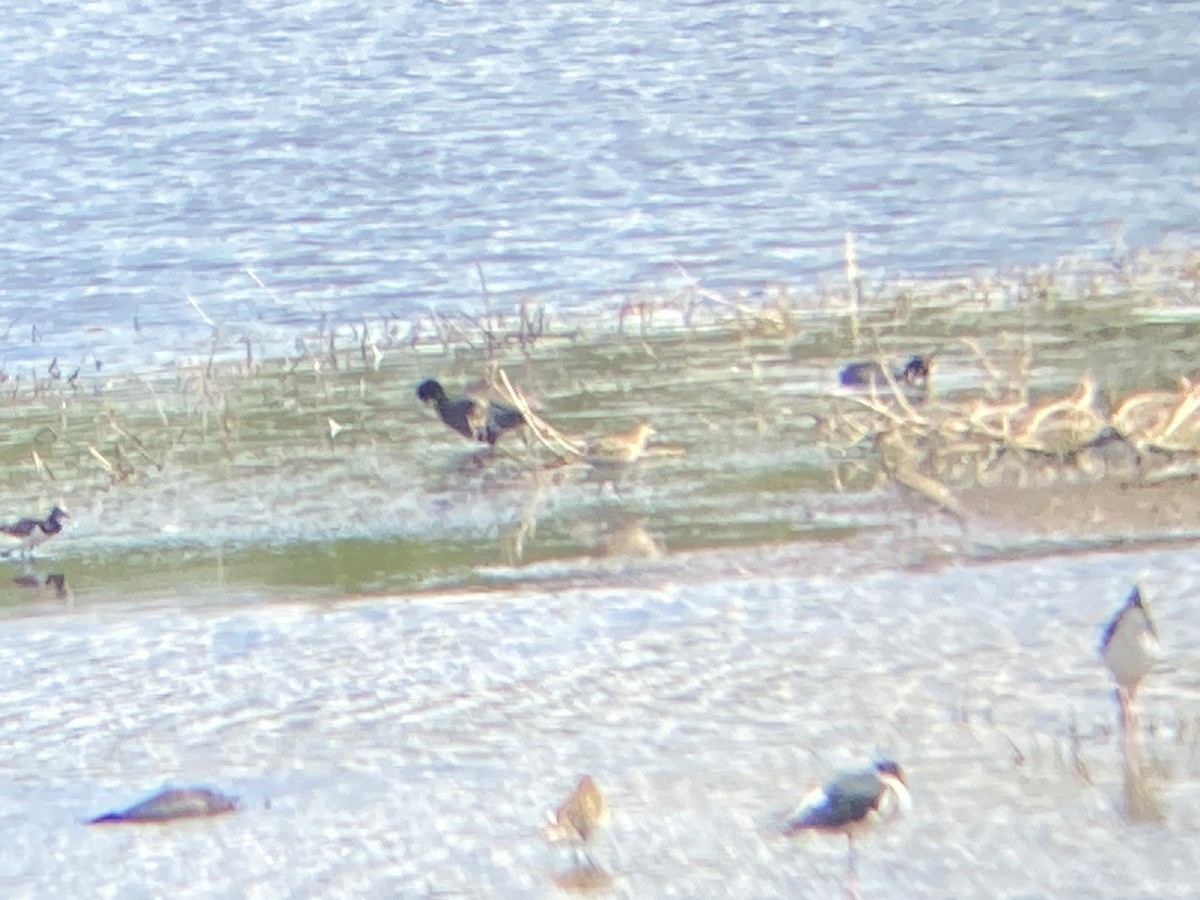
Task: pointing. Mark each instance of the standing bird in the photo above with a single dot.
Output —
(851, 803)
(475, 418)
(1129, 647)
(865, 374)
(619, 448)
(26, 534)
(578, 818)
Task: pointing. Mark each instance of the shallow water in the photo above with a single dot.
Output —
(362, 158)
(226, 480)
(409, 745)
(399, 654)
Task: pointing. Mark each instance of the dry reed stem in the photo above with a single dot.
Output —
(551, 438)
(40, 466)
(108, 467)
(930, 488)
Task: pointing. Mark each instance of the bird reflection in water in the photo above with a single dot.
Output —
(55, 583)
(1141, 803)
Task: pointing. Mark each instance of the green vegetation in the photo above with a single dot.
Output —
(321, 471)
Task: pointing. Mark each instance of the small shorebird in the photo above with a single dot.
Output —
(578, 818)
(1141, 416)
(1180, 431)
(475, 418)
(851, 803)
(621, 447)
(26, 534)
(865, 374)
(173, 803)
(1064, 426)
(1129, 647)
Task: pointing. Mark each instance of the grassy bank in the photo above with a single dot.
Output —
(322, 471)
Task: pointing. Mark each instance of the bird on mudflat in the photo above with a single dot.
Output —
(578, 818)
(865, 374)
(26, 534)
(621, 447)
(171, 804)
(475, 418)
(851, 803)
(1129, 648)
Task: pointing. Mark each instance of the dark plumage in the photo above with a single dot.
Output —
(864, 374)
(29, 533)
(852, 802)
(173, 803)
(475, 418)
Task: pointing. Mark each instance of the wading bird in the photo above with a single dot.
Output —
(1129, 647)
(578, 818)
(851, 803)
(865, 374)
(475, 418)
(619, 448)
(26, 534)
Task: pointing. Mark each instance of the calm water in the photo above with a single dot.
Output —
(360, 159)
(362, 156)
(408, 747)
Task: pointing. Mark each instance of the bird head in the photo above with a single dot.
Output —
(430, 390)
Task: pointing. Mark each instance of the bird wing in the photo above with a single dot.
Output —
(22, 528)
(500, 418)
(847, 799)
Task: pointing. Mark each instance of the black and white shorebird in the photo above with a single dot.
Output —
(1129, 647)
(578, 819)
(851, 803)
(476, 418)
(25, 534)
(866, 374)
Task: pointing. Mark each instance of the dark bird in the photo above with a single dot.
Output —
(171, 804)
(851, 803)
(26, 534)
(578, 818)
(1129, 647)
(864, 374)
(475, 418)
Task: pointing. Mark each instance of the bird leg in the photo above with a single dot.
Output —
(851, 870)
(1130, 738)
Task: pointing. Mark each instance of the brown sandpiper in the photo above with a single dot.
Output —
(619, 448)
(578, 818)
